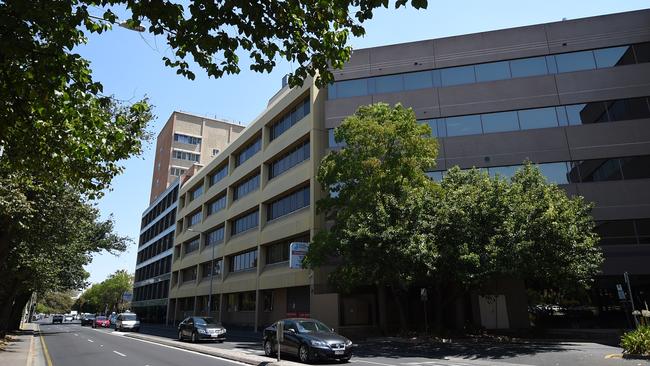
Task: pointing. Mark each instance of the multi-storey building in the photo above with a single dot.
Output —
(185, 141)
(571, 96)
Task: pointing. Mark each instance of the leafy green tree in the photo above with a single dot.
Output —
(55, 302)
(379, 191)
(106, 294)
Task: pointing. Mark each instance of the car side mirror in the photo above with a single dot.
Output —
(291, 330)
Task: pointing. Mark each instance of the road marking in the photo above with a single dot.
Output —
(375, 363)
(91, 341)
(101, 345)
(47, 354)
(76, 335)
(121, 354)
(614, 355)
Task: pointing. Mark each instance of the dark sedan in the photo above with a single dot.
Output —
(309, 339)
(198, 328)
(87, 320)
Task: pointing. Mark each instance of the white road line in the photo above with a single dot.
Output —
(121, 354)
(101, 345)
(375, 363)
(76, 335)
(91, 341)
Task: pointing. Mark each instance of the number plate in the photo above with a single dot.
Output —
(339, 352)
(214, 335)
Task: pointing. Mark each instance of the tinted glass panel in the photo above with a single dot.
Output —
(463, 125)
(492, 71)
(575, 61)
(331, 142)
(554, 172)
(387, 84)
(621, 110)
(437, 176)
(498, 122)
(352, 88)
(528, 67)
(418, 80)
(331, 91)
(586, 113)
(642, 52)
(537, 118)
(433, 125)
(457, 75)
(614, 56)
(616, 232)
(503, 171)
(637, 167)
(597, 170)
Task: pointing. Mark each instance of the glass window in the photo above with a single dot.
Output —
(493, 71)
(331, 142)
(219, 175)
(196, 193)
(643, 230)
(217, 205)
(555, 172)
(277, 253)
(215, 236)
(288, 204)
(615, 232)
(537, 118)
(192, 246)
(636, 167)
(597, 170)
(625, 109)
(246, 187)
(245, 222)
(351, 88)
(503, 171)
(463, 125)
(418, 80)
(575, 61)
(551, 64)
(615, 56)
(243, 261)
(195, 219)
(457, 75)
(436, 176)
(642, 52)
(292, 158)
(331, 91)
(387, 84)
(184, 139)
(433, 125)
(499, 122)
(528, 67)
(249, 151)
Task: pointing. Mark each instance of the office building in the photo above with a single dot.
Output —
(571, 96)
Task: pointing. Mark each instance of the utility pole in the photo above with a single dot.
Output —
(629, 291)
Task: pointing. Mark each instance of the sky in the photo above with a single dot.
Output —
(130, 67)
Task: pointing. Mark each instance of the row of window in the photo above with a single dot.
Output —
(185, 139)
(215, 236)
(158, 290)
(160, 207)
(242, 301)
(208, 269)
(243, 261)
(244, 223)
(244, 188)
(279, 252)
(196, 193)
(195, 219)
(157, 247)
(188, 274)
(290, 159)
(217, 205)
(186, 155)
(161, 225)
(249, 151)
(288, 119)
(500, 70)
(192, 246)
(219, 175)
(157, 268)
(581, 171)
(624, 232)
(288, 204)
(176, 171)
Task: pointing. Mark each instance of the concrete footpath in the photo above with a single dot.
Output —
(228, 354)
(23, 348)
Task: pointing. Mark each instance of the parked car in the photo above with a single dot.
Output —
(127, 321)
(101, 321)
(68, 318)
(309, 339)
(197, 328)
(87, 319)
(57, 319)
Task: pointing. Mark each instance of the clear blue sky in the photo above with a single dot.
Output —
(129, 65)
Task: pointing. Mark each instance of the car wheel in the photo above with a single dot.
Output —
(344, 360)
(195, 338)
(180, 335)
(268, 349)
(303, 354)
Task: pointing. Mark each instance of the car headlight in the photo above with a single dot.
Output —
(348, 343)
(317, 343)
(201, 330)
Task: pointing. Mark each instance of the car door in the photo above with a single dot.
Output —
(291, 342)
(189, 327)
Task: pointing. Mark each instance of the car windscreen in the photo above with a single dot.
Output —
(205, 321)
(129, 317)
(101, 318)
(308, 326)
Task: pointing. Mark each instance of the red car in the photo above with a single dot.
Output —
(101, 321)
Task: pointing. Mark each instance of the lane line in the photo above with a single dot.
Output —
(121, 354)
(91, 341)
(375, 363)
(48, 359)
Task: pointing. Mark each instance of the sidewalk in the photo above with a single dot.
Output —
(22, 347)
(228, 354)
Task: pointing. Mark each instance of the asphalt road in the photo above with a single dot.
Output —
(70, 344)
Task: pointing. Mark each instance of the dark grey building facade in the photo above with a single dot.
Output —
(571, 96)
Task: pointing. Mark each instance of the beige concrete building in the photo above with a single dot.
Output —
(185, 140)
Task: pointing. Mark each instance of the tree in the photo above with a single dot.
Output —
(106, 294)
(379, 191)
(55, 302)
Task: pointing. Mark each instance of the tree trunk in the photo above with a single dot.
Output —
(438, 305)
(401, 299)
(17, 310)
(6, 305)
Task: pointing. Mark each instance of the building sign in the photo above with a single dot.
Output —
(297, 252)
(127, 296)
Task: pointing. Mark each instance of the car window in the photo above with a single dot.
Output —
(128, 317)
(307, 326)
(288, 324)
(101, 318)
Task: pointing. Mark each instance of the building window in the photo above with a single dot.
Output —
(189, 274)
(217, 205)
(192, 246)
(288, 119)
(249, 185)
(248, 151)
(277, 253)
(267, 300)
(184, 139)
(290, 159)
(331, 141)
(288, 204)
(215, 152)
(196, 193)
(623, 232)
(245, 223)
(215, 236)
(195, 219)
(207, 268)
(243, 261)
(219, 175)
(186, 155)
(177, 172)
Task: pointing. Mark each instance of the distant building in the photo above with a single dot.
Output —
(186, 141)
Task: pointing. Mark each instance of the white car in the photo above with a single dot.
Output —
(128, 321)
(68, 318)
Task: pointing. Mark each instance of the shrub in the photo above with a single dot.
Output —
(637, 342)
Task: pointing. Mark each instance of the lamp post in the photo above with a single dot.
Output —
(211, 271)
